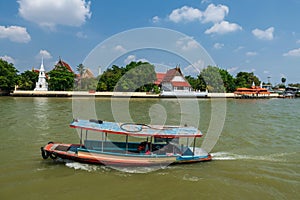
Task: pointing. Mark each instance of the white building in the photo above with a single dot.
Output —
(174, 80)
(42, 84)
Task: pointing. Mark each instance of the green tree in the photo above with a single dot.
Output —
(139, 77)
(245, 79)
(136, 76)
(8, 75)
(81, 70)
(197, 83)
(192, 81)
(109, 78)
(283, 80)
(60, 79)
(27, 80)
(212, 78)
(294, 85)
(228, 80)
(88, 83)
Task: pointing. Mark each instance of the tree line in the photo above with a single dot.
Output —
(215, 79)
(134, 77)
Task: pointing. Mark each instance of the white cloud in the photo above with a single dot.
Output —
(218, 45)
(264, 34)
(15, 34)
(8, 59)
(49, 13)
(132, 58)
(214, 13)
(205, 1)
(187, 43)
(239, 48)
(44, 54)
(251, 53)
(81, 35)
(223, 27)
(119, 48)
(155, 19)
(294, 52)
(184, 14)
(232, 70)
(129, 59)
(211, 14)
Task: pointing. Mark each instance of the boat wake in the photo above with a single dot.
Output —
(279, 157)
(81, 166)
(138, 170)
(93, 168)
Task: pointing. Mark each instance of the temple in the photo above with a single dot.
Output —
(253, 92)
(42, 84)
(173, 80)
(62, 63)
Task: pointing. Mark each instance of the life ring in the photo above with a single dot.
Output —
(53, 156)
(45, 154)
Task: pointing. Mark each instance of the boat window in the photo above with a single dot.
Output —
(166, 140)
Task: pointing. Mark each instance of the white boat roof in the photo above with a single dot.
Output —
(132, 129)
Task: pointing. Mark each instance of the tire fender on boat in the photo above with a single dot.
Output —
(45, 154)
(53, 156)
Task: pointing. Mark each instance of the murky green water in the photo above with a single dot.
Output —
(256, 157)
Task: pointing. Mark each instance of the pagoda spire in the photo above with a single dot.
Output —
(42, 84)
(42, 65)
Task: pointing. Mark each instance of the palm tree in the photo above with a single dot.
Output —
(283, 80)
(81, 69)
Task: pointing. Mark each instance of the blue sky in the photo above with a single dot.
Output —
(260, 36)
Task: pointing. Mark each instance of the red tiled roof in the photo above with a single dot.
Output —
(159, 78)
(36, 71)
(252, 90)
(64, 64)
(171, 73)
(180, 84)
(168, 77)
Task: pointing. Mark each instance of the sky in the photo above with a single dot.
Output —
(259, 36)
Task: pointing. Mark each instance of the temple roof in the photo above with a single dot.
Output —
(88, 74)
(159, 78)
(170, 77)
(63, 64)
(171, 73)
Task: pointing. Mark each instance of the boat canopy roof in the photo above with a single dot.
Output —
(133, 129)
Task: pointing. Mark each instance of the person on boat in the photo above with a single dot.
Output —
(144, 147)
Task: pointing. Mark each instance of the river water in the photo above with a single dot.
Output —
(257, 155)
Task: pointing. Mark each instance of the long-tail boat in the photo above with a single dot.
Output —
(129, 144)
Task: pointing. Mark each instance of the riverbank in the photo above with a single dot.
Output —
(23, 93)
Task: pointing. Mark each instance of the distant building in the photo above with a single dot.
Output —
(253, 92)
(87, 74)
(268, 86)
(173, 80)
(62, 63)
(42, 84)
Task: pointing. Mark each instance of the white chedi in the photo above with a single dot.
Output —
(42, 84)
